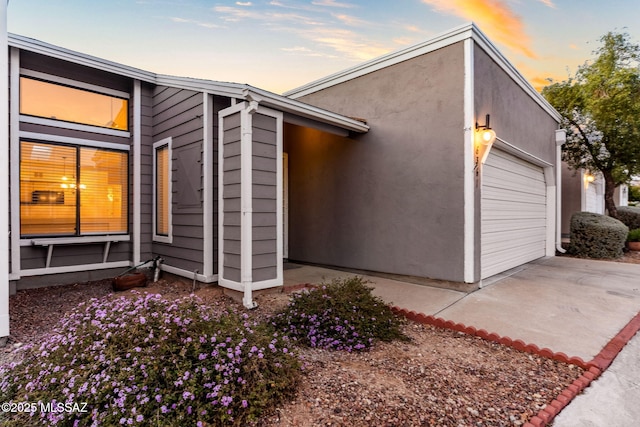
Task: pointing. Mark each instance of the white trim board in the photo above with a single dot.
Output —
(4, 179)
(469, 171)
(45, 137)
(208, 190)
(73, 126)
(14, 141)
(74, 268)
(137, 170)
(189, 274)
(168, 142)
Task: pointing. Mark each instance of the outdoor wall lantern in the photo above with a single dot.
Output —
(487, 135)
(588, 178)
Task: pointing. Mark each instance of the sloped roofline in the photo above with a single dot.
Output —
(231, 90)
(447, 38)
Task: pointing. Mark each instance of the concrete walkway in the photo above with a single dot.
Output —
(611, 400)
(565, 304)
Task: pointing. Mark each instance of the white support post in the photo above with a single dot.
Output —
(4, 176)
(207, 171)
(137, 170)
(246, 201)
(469, 171)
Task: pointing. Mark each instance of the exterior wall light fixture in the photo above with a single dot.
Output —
(588, 178)
(486, 134)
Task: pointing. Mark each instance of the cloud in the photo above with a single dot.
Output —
(404, 41)
(350, 20)
(332, 3)
(244, 3)
(494, 17)
(573, 46)
(235, 14)
(539, 82)
(304, 51)
(194, 22)
(548, 3)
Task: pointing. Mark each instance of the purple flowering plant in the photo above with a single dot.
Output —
(341, 315)
(145, 360)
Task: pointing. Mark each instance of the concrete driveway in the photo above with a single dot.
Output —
(568, 305)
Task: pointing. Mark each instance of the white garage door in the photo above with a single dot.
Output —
(514, 213)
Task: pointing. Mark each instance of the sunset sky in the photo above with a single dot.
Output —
(281, 44)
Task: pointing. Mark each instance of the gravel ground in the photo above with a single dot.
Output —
(440, 378)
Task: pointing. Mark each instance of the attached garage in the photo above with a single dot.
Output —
(513, 213)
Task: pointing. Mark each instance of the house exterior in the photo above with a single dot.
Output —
(378, 168)
(583, 191)
(418, 195)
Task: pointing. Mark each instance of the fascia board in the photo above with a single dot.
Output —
(490, 49)
(47, 49)
(292, 106)
(230, 90)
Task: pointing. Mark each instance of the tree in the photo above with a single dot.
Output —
(600, 107)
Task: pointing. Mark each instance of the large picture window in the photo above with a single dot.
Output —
(72, 191)
(162, 190)
(55, 101)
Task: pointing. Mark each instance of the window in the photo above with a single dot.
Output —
(72, 191)
(162, 191)
(55, 101)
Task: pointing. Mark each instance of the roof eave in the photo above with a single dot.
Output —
(292, 106)
(231, 90)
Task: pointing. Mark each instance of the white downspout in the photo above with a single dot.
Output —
(247, 205)
(4, 176)
(561, 138)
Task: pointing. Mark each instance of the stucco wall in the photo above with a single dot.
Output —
(515, 116)
(390, 200)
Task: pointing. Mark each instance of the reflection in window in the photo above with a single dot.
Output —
(54, 101)
(68, 190)
(162, 191)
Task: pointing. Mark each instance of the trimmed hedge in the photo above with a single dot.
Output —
(597, 236)
(630, 216)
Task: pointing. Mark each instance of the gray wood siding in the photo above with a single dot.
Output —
(177, 113)
(69, 70)
(146, 173)
(78, 254)
(231, 197)
(219, 103)
(265, 187)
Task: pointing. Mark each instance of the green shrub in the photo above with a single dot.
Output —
(634, 235)
(630, 216)
(597, 236)
(342, 315)
(146, 361)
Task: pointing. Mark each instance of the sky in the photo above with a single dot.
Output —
(279, 45)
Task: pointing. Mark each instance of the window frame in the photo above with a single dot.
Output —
(161, 238)
(77, 144)
(73, 84)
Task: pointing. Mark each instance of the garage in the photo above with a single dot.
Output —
(514, 213)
